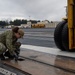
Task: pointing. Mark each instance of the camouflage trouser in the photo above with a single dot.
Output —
(3, 47)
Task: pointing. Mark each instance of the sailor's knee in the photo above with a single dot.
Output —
(18, 44)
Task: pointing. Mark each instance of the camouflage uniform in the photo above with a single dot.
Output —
(8, 41)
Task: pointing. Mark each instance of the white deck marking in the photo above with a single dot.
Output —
(54, 51)
(6, 72)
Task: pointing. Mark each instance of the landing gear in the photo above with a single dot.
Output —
(58, 35)
(61, 36)
(65, 39)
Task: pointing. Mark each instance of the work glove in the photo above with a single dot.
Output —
(17, 51)
(15, 56)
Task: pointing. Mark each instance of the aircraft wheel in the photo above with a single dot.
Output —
(65, 38)
(58, 35)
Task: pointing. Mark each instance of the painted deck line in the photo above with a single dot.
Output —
(54, 51)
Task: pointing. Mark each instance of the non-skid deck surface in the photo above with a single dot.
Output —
(36, 68)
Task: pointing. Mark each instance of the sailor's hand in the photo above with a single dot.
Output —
(15, 57)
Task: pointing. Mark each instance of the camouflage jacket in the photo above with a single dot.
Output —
(8, 39)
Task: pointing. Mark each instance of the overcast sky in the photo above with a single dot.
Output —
(52, 10)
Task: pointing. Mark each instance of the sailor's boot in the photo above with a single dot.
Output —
(2, 57)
